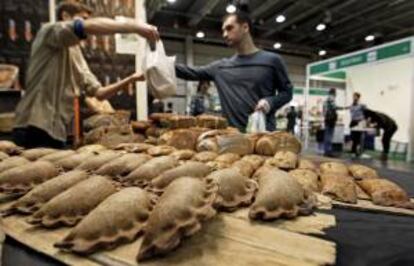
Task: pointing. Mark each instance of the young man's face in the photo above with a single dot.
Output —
(233, 32)
(356, 98)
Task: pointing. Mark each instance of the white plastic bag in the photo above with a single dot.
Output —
(159, 71)
(256, 123)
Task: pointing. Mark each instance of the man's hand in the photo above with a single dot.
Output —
(263, 105)
(136, 77)
(149, 32)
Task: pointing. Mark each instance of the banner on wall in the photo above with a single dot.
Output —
(126, 43)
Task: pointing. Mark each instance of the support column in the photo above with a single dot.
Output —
(189, 61)
(410, 148)
(52, 10)
(306, 110)
(141, 87)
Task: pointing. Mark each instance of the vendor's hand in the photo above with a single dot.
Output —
(263, 105)
(137, 77)
(149, 32)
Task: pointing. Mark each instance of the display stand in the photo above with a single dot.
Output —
(384, 75)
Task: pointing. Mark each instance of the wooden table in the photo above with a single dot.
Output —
(228, 239)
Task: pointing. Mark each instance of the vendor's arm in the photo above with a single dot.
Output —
(69, 33)
(101, 26)
(196, 73)
(283, 86)
(110, 90)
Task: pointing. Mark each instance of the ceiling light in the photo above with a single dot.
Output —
(171, 1)
(231, 8)
(277, 45)
(280, 19)
(369, 38)
(322, 52)
(200, 34)
(320, 27)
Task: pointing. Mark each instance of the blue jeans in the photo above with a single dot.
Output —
(327, 139)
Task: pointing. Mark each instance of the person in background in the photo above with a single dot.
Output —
(170, 108)
(200, 102)
(58, 72)
(387, 124)
(247, 81)
(291, 118)
(330, 117)
(357, 116)
(157, 106)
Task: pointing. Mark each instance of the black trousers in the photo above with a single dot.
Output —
(33, 137)
(386, 138)
(355, 137)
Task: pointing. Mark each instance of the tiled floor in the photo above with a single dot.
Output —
(372, 161)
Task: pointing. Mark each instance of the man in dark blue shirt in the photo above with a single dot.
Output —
(247, 81)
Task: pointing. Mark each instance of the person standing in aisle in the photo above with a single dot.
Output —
(247, 81)
(291, 118)
(357, 116)
(58, 71)
(200, 102)
(387, 124)
(330, 117)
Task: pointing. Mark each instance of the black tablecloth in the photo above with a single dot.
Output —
(362, 238)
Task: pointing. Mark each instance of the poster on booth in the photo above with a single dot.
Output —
(126, 43)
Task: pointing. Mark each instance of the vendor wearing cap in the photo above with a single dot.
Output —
(58, 71)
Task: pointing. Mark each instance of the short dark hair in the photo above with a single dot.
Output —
(71, 8)
(241, 17)
(332, 91)
(357, 94)
(200, 84)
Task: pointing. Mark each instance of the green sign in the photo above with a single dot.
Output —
(312, 91)
(386, 52)
(336, 75)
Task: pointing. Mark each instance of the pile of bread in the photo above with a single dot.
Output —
(166, 192)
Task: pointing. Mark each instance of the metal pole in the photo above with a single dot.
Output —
(52, 8)
(189, 61)
(410, 148)
(141, 87)
(306, 109)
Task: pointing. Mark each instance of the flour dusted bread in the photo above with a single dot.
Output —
(23, 178)
(120, 218)
(234, 189)
(123, 165)
(69, 207)
(179, 213)
(44, 192)
(192, 169)
(36, 153)
(143, 175)
(386, 193)
(359, 171)
(339, 187)
(279, 196)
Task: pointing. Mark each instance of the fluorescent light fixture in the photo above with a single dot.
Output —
(277, 45)
(171, 1)
(200, 34)
(370, 38)
(322, 52)
(320, 27)
(280, 19)
(231, 8)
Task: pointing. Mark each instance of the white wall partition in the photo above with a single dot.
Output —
(384, 75)
(386, 87)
